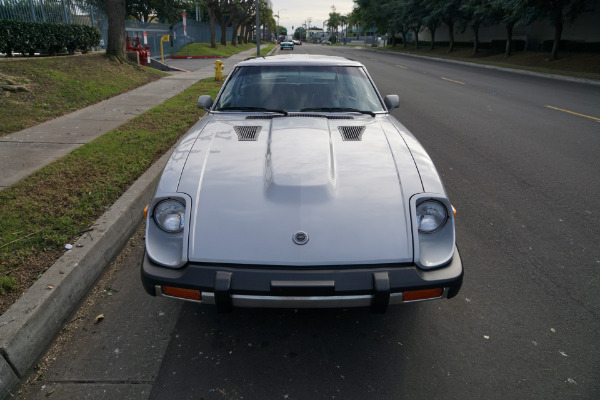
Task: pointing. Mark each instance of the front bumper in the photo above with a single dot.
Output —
(234, 285)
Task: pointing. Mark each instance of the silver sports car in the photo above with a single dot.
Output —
(299, 189)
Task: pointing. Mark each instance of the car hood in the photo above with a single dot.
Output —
(252, 195)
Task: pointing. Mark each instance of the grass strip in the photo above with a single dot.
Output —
(580, 65)
(204, 49)
(56, 204)
(34, 90)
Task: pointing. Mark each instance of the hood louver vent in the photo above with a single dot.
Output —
(299, 115)
(264, 116)
(247, 133)
(352, 133)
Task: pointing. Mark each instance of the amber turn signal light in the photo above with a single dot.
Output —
(454, 211)
(412, 295)
(148, 205)
(190, 294)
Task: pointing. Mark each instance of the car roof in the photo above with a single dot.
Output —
(299, 59)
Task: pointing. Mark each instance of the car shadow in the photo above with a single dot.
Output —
(295, 354)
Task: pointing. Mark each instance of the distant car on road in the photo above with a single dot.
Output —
(287, 45)
(299, 189)
(297, 42)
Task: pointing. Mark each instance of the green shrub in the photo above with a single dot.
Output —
(28, 37)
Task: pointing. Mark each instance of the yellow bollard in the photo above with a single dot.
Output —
(219, 70)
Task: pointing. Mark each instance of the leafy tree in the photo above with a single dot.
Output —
(334, 21)
(163, 10)
(513, 13)
(415, 13)
(474, 13)
(450, 14)
(558, 11)
(432, 21)
(240, 12)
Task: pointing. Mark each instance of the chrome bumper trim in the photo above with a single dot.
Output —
(248, 301)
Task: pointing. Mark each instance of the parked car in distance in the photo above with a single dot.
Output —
(299, 189)
(287, 45)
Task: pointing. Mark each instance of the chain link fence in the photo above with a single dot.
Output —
(93, 13)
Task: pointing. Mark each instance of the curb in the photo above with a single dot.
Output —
(194, 57)
(31, 324)
(564, 78)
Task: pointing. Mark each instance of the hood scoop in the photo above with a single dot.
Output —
(351, 133)
(299, 115)
(247, 133)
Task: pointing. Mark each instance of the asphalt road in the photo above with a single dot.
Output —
(524, 178)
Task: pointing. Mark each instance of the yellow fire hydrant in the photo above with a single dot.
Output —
(219, 70)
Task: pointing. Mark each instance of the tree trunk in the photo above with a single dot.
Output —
(404, 39)
(115, 44)
(451, 36)
(509, 33)
(557, 35)
(475, 38)
(432, 29)
(223, 32)
(213, 32)
(234, 29)
(416, 31)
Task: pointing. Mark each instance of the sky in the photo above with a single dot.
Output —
(297, 12)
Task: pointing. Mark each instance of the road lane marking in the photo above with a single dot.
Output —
(450, 80)
(401, 66)
(574, 113)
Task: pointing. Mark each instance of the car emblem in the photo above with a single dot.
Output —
(300, 238)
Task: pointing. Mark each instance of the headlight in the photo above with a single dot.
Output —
(169, 215)
(431, 216)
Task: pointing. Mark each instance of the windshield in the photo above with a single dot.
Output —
(299, 88)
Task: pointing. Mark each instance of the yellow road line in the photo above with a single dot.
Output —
(401, 66)
(574, 113)
(450, 80)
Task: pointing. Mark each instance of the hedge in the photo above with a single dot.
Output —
(28, 38)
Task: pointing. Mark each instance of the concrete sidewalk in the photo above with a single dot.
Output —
(32, 323)
(26, 151)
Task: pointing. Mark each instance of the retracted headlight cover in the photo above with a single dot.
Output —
(167, 229)
(433, 230)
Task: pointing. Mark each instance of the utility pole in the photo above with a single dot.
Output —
(277, 27)
(258, 27)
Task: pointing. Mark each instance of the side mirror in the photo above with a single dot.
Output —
(205, 102)
(392, 101)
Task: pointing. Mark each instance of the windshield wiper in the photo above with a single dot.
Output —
(338, 109)
(252, 109)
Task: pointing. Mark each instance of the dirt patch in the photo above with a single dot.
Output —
(13, 84)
